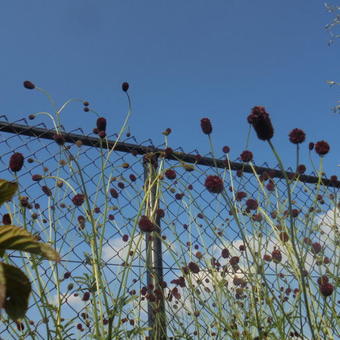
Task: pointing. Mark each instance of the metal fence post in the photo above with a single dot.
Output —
(154, 261)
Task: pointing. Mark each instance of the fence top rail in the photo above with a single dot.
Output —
(137, 149)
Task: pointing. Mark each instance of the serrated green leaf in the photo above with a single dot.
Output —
(17, 238)
(17, 291)
(7, 190)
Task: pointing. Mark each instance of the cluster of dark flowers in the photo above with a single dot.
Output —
(261, 122)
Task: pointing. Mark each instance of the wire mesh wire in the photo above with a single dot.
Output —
(198, 229)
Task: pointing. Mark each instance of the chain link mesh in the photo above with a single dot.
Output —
(197, 227)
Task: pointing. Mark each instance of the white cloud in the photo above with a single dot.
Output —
(116, 250)
(69, 299)
(329, 223)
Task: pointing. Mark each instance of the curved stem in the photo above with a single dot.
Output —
(292, 234)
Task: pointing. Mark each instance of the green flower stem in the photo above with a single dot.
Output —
(50, 116)
(248, 137)
(41, 288)
(292, 234)
(56, 274)
(58, 112)
(106, 302)
(49, 97)
(231, 206)
(121, 130)
(213, 153)
(94, 250)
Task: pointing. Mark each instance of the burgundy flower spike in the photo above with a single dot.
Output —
(29, 85)
(125, 86)
(261, 122)
(206, 126)
(16, 162)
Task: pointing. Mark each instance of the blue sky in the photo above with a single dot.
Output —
(184, 60)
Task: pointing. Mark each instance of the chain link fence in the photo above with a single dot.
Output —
(198, 232)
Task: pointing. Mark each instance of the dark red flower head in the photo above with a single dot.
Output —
(167, 132)
(261, 122)
(206, 126)
(326, 289)
(132, 177)
(226, 149)
(170, 174)
(59, 139)
(193, 267)
(322, 280)
(240, 195)
(301, 169)
(16, 162)
(214, 184)
(316, 247)
(297, 136)
(322, 148)
(101, 124)
(246, 156)
(311, 146)
(251, 204)
(276, 255)
(114, 193)
(86, 296)
(234, 260)
(146, 225)
(78, 200)
(46, 190)
(225, 253)
(125, 86)
(28, 85)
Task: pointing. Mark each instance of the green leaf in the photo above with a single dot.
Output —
(48, 252)
(2, 287)
(7, 190)
(17, 290)
(17, 238)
